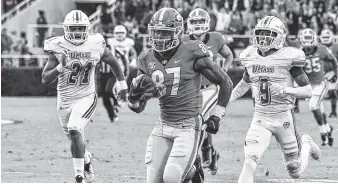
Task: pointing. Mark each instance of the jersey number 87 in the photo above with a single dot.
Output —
(158, 79)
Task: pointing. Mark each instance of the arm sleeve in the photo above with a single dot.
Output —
(141, 62)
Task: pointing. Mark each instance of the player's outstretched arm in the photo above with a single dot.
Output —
(51, 69)
(241, 88)
(227, 54)
(108, 58)
(216, 75)
(304, 90)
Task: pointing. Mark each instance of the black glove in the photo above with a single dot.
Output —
(212, 124)
(334, 78)
(142, 87)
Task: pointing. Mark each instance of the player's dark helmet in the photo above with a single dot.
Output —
(165, 29)
(308, 38)
(198, 21)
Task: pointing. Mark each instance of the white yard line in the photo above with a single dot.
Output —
(209, 180)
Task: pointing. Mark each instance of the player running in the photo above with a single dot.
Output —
(316, 56)
(198, 26)
(326, 38)
(270, 70)
(125, 45)
(72, 59)
(175, 69)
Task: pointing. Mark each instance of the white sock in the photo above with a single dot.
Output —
(322, 129)
(328, 128)
(304, 156)
(78, 166)
(248, 171)
(86, 157)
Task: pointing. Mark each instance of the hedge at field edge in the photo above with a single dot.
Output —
(27, 82)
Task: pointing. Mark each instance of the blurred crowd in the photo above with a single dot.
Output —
(227, 16)
(8, 5)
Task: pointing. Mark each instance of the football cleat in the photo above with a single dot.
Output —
(88, 170)
(315, 150)
(206, 156)
(199, 173)
(79, 179)
(214, 163)
(325, 139)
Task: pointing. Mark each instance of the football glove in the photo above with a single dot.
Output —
(141, 88)
(212, 123)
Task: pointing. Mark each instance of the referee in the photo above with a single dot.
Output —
(107, 81)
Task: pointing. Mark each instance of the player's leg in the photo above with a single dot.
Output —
(184, 152)
(296, 109)
(81, 114)
(157, 153)
(318, 95)
(257, 141)
(210, 95)
(108, 93)
(295, 151)
(333, 101)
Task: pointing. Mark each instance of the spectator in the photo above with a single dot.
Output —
(41, 20)
(16, 42)
(9, 4)
(236, 25)
(223, 17)
(6, 41)
(107, 24)
(292, 22)
(330, 25)
(240, 5)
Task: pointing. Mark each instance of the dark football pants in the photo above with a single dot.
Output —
(107, 81)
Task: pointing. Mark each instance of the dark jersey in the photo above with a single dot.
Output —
(214, 41)
(315, 64)
(176, 80)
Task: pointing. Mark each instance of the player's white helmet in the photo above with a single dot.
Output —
(269, 33)
(120, 32)
(198, 21)
(76, 27)
(326, 37)
(308, 38)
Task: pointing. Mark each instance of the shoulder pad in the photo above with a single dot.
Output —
(130, 41)
(143, 54)
(185, 38)
(246, 52)
(97, 38)
(297, 56)
(50, 45)
(217, 35)
(198, 48)
(141, 61)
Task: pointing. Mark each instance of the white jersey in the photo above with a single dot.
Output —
(270, 72)
(123, 46)
(77, 79)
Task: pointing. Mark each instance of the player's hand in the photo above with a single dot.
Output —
(212, 124)
(280, 90)
(64, 58)
(141, 88)
(122, 94)
(333, 79)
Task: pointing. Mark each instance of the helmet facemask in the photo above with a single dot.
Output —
(308, 40)
(164, 38)
(76, 34)
(120, 36)
(266, 39)
(198, 25)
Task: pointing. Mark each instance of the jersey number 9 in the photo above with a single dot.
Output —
(264, 91)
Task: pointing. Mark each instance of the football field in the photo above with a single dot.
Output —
(34, 148)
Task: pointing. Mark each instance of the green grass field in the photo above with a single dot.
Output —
(36, 150)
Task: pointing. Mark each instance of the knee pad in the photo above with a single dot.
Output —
(172, 174)
(74, 134)
(293, 168)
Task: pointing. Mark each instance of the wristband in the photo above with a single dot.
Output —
(218, 111)
(123, 85)
(133, 105)
(59, 68)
